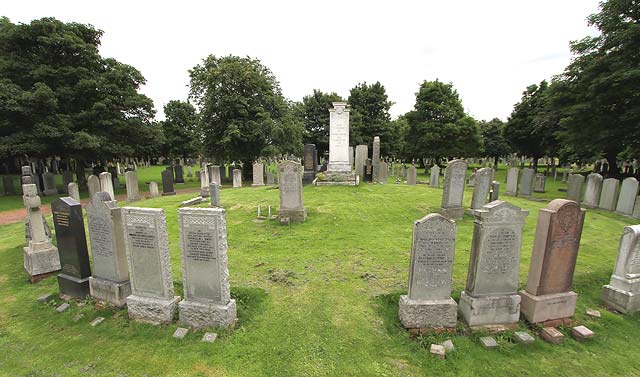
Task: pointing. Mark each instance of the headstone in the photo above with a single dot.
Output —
(214, 190)
(472, 179)
(594, 187)
(67, 177)
(339, 139)
(97, 321)
(383, 172)
(63, 307)
(453, 192)
(203, 245)
(93, 185)
(167, 183)
(204, 183)
(40, 256)
(495, 191)
(581, 333)
(214, 174)
(270, 178)
(621, 293)
(106, 184)
(7, 184)
(636, 208)
(351, 157)
(362, 152)
(209, 337)
(375, 158)
(488, 342)
(152, 297)
(49, 180)
(526, 182)
(609, 194)
(429, 302)
(73, 191)
(491, 295)
(434, 179)
(189, 171)
(133, 192)
(310, 163)
(539, 183)
(368, 170)
(627, 198)
(574, 187)
(258, 174)
(565, 175)
(237, 178)
(110, 280)
(551, 335)
(290, 186)
(153, 190)
(179, 170)
(412, 175)
(68, 222)
(548, 295)
(523, 337)
(481, 188)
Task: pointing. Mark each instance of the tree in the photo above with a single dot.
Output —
(180, 129)
(315, 114)
(438, 125)
(370, 116)
(493, 140)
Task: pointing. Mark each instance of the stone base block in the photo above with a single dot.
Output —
(454, 213)
(168, 193)
(308, 177)
(50, 192)
(201, 315)
(113, 292)
(41, 261)
(134, 199)
(257, 184)
(510, 193)
(157, 311)
(293, 214)
(427, 313)
(338, 179)
(489, 310)
(619, 300)
(73, 287)
(548, 307)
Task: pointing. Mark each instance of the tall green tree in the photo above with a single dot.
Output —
(180, 129)
(495, 145)
(370, 116)
(315, 114)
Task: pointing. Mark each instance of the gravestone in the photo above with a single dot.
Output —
(110, 280)
(512, 182)
(290, 186)
(548, 295)
(67, 177)
(147, 246)
(204, 183)
(258, 174)
(40, 256)
(7, 184)
(351, 157)
(495, 191)
(214, 190)
(237, 178)
(627, 198)
(636, 208)
(167, 182)
(481, 188)
(310, 163)
(538, 185)
(270, 178)
(594, 187)
(609, 194)
(73, 191)
(179, 170)
(622, 292)
(574, 187)
(189, 171)
(491, 294)
(106, 184)
(429, 302)
(565, 175)
(115, 181)
(375, 158)
(383, 172)
(339, 139)
(368, 171)
(472, 179)
(434, 179)
(49, 180)
(205, 274)
(93, 185)
(526, 182)
(214, 174)
(412, 175)
(153, 190)
(133, 192)
(453, 192)
(68, 222)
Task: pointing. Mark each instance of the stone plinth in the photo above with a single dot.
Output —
(623, 291)
(41, 258)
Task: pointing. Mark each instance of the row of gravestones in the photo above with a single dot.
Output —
(606, 193)
(524, 183)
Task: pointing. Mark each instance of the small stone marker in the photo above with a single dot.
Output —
(153, 190)
(581, 333)
(448, 345)
(192, 201)
(106, 184)
(438, 351)
(593, 313)
(63, 307)
(133, 192)
(621, 293)
(523, 337)
(488, 342)
(180, 333)
(209, 337)
(77, 317)
(237, 178)
(97, 321)
(46, 298)
(453, 192)
(551, 335)
(290, 187)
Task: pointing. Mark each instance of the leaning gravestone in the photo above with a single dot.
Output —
(574, 187)
(214, 191)
(258, 174)
(153, 190)
(375, 158)
(539, 183)
(429, 302)
(110, 280)
(106, 184)
(434, 179)
(72, 248)
(167, 182)
(412, 175)
(491, 295)
(205, 274)
(621, 293)
(133, 192)
(594, 187)
(204, 183)
(362, 152)
(512, 181)
(152, 297)
(237, 178)
(453, 192)
(93, 184)
(548, 295)
(7, 184)
(73, 191)
(49, 180)
(609, 194)
(481, 188)
(40, 256)
(290, 186)
(526, 182)
(628, 193)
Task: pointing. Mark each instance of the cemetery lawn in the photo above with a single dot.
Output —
(314, 299)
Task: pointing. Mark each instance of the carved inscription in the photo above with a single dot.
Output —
(62, 218)
(499, 256)
(433, 261)
(101, 238)
(143, 245)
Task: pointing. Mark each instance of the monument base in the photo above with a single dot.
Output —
(158, 311)
(168, 193)
(113, 292)
(548, 307)
(453, 213)
(204, 193)
(73, 287)
(41, 259)
(427, 313)
(134, 199)
(338, 179)
(257, 184)
(619, 300)
(308, 177)
(200, 315)
(489, 310)
(293, 214)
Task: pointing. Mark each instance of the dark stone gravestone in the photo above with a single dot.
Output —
(167, 182)
(67, 177)
(114, 177)
(97, 170)
(179, 173)
(309, 164)
(7, 184)
(72, 247)
(368, 171)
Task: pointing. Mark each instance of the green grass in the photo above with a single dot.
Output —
(317, 298)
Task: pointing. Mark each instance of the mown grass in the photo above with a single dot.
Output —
(317, 298)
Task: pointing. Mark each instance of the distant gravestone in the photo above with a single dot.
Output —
(153, 190)
(472, 179)
(7, 185)
(627, 198)
(270, 178)
(574, 187)
(133, 192)
(68, 222)
(73, 191)
(362, 153)
(351, 156)
(49, 180)
(67, 177)
(412, 175)
(609, 194)
(167, 182)
(204, 183)
(636, 208)
(621, 293)
(491, 295)
(538, 185)
(429, 302)
(93, 185)
(548, 295)
(258, 174)
(375, 158)
(592, 193)
(434, 179)
(481, 188)
(110, 280)
(383, 172)
(290, 186)
(152, 296)
(526, 182)
(453, 192)
(179, 170)
(106, 184)
(214, 174)
(237, 178)
(40, 256)
(214, 191)
(495, 191)
(203, 245)
(309, 163)
(512, 182)
(115, 181)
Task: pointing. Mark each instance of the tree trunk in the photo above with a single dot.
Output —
(613, 164)
(82, 180)
(495, 163)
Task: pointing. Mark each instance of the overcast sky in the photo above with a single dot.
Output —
(490, 50)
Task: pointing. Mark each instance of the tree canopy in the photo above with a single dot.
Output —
(180, 129)
(494, 143)
(315, 115)
(370, 116)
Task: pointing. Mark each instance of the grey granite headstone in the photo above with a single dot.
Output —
(106, 184)
(153, 190)
(627, 198)
(7, 185)
(204, 183)
(40, 256)
(362, 153)
(133, 192)
(594, 187)
(383, 172)
(237, 178)
(621, 293)
(375, 158)
(481, 188)
(270, 178)
(214, 174)
(290, 186)
(538, 185)
(73, 191)
(49, 180)
(214, 191)
(258, 174)
(453, 192)
(434, 179)
(574, 187)
(495, 191)
(512, 181)
(609, 194)
(412, 175)
(636, 208)
(179, 171)
(93, 184)
(526, 182)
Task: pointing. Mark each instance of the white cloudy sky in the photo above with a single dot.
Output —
(490, 50)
